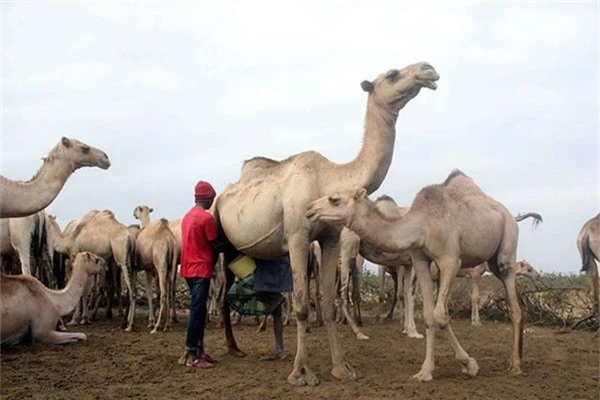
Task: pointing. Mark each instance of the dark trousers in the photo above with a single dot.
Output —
(197, 320)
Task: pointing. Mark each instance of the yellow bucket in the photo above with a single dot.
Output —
(242, 266)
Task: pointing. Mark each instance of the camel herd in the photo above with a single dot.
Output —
(306, 206)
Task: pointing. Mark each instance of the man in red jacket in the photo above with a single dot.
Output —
(198, 233)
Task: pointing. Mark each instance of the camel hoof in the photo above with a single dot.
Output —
(151, 324)
(129, 329)
(71, 323)
(344, 372)
(237, 353)
(361, 336)
(422, 376)
(153, 331)
(306, 379)
(476, 323)
(415, 335)
(471, 368)
(515, 370)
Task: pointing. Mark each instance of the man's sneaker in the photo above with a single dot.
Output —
(208, 358)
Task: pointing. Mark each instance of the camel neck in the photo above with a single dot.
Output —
(369, 168)
(24, 198)
(145, 220)
(66, 300)
(391, 235)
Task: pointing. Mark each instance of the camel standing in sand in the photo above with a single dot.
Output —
(20, 199)
(263, 214)
(588, 244)
(100, 233)
(454, 224)
(29, 310)
(156, 250)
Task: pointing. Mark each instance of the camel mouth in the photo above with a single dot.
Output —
(428, 76)
(104, 164)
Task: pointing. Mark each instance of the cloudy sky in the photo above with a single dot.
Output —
(176, 92)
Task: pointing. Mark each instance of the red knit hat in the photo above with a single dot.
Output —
(204, 190)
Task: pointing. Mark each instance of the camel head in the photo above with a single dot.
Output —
(525, 269)
(80, 154)
(337, 209)
(92, 263)
(142, 211)
(396, 87)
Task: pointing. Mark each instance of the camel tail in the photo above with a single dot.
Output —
(537, 218)
(587, 254)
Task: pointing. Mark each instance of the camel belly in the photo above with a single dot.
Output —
(252, 219)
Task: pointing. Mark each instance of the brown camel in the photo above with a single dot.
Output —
(588, 244)
(454, 224)
(263, 214)
(156, 251)
(20, 199)
(29, 310)
(100, 233)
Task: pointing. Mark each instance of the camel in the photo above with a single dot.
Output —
(588, 244)
(523, 268)
(29, 310)
(454, 224)
(263, 214)
(100, 233)
(27, 237)
(20, 199)
(156, 250)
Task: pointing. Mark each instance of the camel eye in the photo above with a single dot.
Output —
(334, 200)
(85, 149)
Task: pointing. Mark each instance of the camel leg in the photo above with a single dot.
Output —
(263, 324)
(356, 297)
(163, 310)
(127, 271)
(76, 314)
(592, 276)
(381, 275)
(505, 271)
(395, 285)
(301, 374)
(345, 270)
(421, 268)
(330, 254)
(410, 328)
(476, 282)
(448, 269)
(232, 346)
(318, 295)
(149, 284)
(54, 337)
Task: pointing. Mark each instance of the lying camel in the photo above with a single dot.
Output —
(454, 224)
(31, 311)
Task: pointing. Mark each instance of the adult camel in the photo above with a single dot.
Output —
(19, 199)
(263, 214)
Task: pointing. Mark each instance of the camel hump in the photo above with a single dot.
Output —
(385, 197)
(262, 161)
(455, 173)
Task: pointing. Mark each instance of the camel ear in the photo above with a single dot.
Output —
(72, 256)
(360, 193)
(367, 86)
(65, 141)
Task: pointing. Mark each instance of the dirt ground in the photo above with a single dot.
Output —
(113, 364)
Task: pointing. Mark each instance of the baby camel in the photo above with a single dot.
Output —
(29, 310)
(454, 224)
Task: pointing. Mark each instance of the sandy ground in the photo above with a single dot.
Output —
(113, 364)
